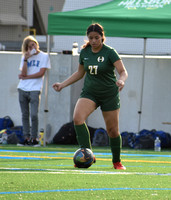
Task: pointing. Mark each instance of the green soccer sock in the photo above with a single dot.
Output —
(115, 144)
(83, 136)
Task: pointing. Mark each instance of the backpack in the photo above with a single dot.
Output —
(100, 138)
(67, 134)
(165, 138)
(6, 122)
(128, 139)
(145, 139)
(15, 135)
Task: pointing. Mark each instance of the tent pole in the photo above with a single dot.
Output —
(142, 85)
(46, 94)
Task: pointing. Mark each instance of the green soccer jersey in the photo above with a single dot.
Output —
(100, 76)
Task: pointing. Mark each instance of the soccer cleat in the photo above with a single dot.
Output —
(26, 142)
(118, 165)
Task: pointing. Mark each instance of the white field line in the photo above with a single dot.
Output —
(65, 171)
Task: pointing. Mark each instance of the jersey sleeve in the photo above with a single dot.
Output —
(46, 61)
(81, 57)
(113, 56)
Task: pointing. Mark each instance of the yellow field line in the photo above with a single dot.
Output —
(105, 159)
(145, 161)
(15, 156)
(148, 161)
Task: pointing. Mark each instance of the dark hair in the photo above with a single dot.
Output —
(95, 28)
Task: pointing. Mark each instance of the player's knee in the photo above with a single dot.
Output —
(113, 132)
(77, 120)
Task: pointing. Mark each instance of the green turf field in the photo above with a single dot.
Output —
(28, 173)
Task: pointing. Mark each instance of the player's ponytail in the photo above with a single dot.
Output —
(87, 43)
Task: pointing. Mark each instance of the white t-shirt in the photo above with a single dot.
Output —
(34, 64)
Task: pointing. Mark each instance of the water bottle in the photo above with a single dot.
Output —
(41, 136)
(75, 49)
(157, 144)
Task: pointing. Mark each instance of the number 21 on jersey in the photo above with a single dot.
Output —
(93, 69)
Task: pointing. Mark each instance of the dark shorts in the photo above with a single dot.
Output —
(106, 103)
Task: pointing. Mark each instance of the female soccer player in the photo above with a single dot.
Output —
(101, 88)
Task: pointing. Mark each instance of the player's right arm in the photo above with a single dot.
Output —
(24, 68)
(72, 79)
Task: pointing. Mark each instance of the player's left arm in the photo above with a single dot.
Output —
(36, 75)
(123, 74)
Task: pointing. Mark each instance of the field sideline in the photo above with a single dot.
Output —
(47, 173)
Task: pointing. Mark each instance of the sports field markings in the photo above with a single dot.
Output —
(78, 171)
(98, 154)
(83, 190)
(64, 154)
(70, 158)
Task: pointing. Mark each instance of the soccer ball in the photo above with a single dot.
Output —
(83, 158)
